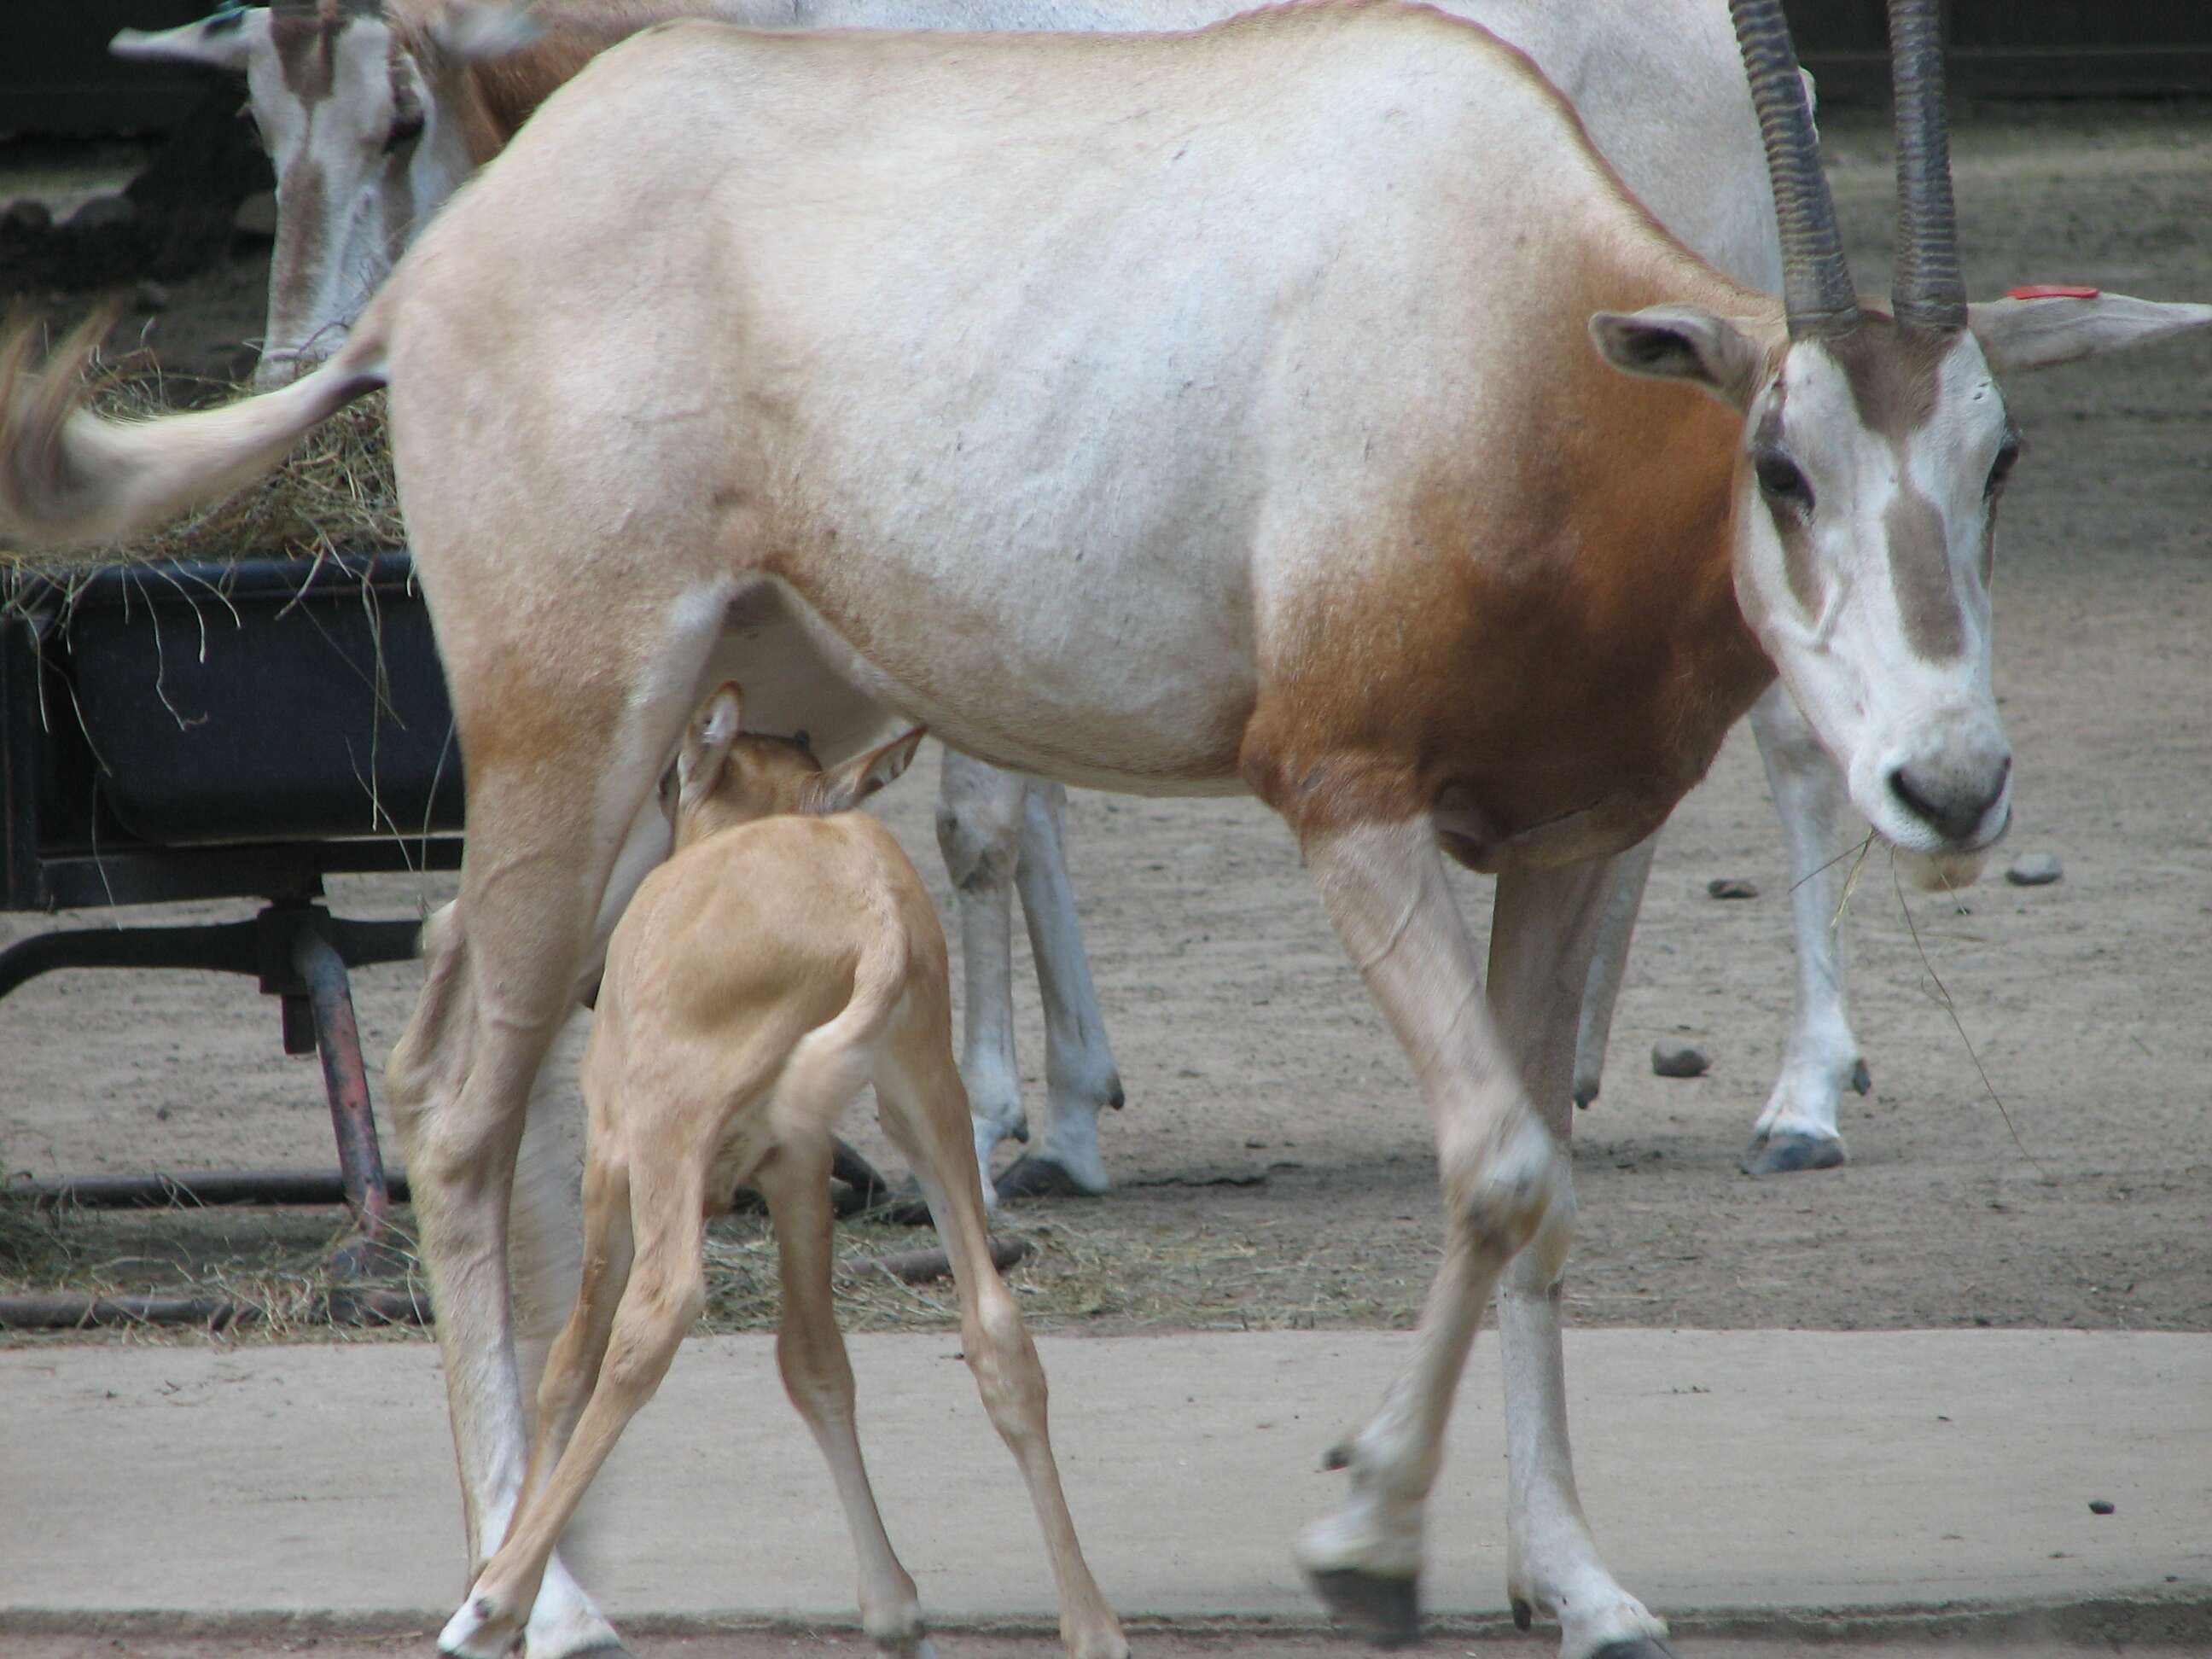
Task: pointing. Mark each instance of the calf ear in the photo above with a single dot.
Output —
(225, 41)
(845, 785)
(1681, 343)
(706, 741)
(2020, 334)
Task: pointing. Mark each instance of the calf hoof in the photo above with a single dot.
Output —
(1636, 1646)
(1861, 1079)
(1787, 1152)
(1385, 1611)
(1034, 1175)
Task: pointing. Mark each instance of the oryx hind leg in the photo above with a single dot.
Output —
(1081, 1079)
(559, 765)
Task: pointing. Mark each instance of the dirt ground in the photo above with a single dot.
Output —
(1152, 1644)
(1274, 1162)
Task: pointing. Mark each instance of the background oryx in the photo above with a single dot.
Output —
(1298, 407)
(374, 112)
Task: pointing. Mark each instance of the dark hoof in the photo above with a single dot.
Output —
(1861, 1079)
(1585, 1093)
(1639, 1647)
(1031, 1176)
(1523, 1614)
(1384, 1611)
(1114, 1097)
(1784, 1154)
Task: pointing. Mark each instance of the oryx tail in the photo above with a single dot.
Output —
(71, 477)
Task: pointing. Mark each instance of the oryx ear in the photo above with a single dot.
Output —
(473, 30)
(707, 740)
(225, 40)
(2035, 333)
(1681, 343)
(845, 785)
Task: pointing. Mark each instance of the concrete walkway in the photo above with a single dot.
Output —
(1724, 1471)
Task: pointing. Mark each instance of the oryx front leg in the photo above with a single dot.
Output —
(1800, 1129)
(979, 829)
(1384, 888)
(1547, 925)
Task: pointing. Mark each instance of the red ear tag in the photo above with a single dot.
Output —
(2050, 291)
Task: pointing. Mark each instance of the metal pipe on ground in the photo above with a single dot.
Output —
(68, 1312)
(162, 1191)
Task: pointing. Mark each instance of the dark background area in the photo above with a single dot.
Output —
(55, 78)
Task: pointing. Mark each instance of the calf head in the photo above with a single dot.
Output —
(726, 775)
(354, 102)
(1875, 447)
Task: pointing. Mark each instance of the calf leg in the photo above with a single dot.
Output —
(925, 1112)
(1545, 924)
(819, 1378)
(1080, 1076)
(1384, 888)
(662, 1300)
(1798, 1130)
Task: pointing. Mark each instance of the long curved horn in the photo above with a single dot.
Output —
(1927, 292)
(1816, 284)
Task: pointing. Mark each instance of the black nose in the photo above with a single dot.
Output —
(1951, 802)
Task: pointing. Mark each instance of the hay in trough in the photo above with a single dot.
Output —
(334, 492)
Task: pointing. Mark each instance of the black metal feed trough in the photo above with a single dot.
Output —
(173, 731)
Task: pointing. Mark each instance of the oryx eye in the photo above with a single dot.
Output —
(2001, 468)
(406, 128)
(1779, 477)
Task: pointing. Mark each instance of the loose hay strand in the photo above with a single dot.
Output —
(1944, 998)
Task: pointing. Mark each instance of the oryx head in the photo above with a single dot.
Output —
(1876, 447)
(346, 95)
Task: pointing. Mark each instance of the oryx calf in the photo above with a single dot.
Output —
(785, 956)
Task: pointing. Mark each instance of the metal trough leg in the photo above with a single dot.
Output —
(346, 1080)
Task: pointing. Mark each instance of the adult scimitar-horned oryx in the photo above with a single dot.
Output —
(374, 112)
(1300, 406)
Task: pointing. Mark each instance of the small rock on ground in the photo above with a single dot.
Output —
(1679, 1059)
(2035, 870)
(1731, 887)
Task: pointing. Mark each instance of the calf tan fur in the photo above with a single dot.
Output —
(785, 957)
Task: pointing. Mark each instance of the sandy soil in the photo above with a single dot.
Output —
(1251, 1055)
